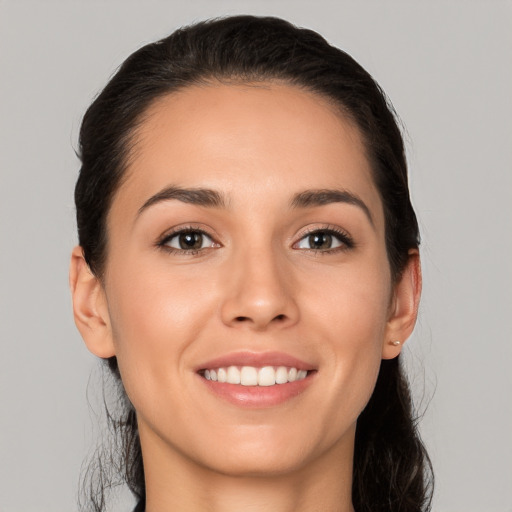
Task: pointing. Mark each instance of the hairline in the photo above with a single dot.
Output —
(133, 137)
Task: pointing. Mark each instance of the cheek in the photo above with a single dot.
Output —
(155, 317)
(352, 304)
(350, 314)
(155, 301)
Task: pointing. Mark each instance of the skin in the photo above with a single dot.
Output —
(256, 286)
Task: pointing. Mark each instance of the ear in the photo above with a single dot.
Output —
(90, 307)
(404, 307)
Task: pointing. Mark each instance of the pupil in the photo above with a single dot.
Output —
(191, 240)
(320, 241)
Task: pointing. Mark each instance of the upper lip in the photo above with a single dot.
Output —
(256, 359)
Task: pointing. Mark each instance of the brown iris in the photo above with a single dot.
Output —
(190, 240)
(320, 240)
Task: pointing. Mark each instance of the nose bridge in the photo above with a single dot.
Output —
(260, 290)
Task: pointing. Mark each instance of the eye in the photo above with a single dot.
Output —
(324, 240)
(188, 240)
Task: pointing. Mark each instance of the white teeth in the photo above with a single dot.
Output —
(233, 375)
(267, 376)
(281, 375)
(252, 376)
(222, 375)
(248, 376)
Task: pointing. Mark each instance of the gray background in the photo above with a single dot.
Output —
(447, 67)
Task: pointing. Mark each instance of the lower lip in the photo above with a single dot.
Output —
(258, 396)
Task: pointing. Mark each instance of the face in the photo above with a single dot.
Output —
(247, 244)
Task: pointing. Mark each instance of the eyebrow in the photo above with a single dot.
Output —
(198, 196)
(321, 197)
(212, 199)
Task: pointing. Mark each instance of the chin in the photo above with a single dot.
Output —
(251, 465)
(264, 451)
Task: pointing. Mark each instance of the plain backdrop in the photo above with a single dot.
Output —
(446, 66)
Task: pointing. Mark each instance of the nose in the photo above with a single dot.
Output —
(259, 293)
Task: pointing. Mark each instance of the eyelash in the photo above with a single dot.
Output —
(347, 242)
(162, 243)
(342, 236)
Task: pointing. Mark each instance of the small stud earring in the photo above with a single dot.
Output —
(395, 343)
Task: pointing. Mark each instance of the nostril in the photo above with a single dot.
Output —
(246, 318)
(281, 318)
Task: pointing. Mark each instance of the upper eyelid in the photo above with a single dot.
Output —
(335, 229)
(172, 232)
(326, 228)
(343, 236)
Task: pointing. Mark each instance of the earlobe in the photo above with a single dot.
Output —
(404, 307)
(90, 307)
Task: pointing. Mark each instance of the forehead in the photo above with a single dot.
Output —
(250, 141)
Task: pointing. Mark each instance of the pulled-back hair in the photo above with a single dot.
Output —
(392, 471)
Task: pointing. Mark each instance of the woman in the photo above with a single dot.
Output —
(248, 266)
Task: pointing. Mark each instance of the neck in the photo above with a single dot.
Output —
(175, 482)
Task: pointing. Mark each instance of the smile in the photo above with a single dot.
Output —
(257, 380)
(254, 376)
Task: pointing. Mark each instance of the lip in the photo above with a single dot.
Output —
(257, 397)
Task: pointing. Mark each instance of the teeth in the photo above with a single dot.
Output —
(249, 376)
(233, 375)
(267, 376)
(222, 375)
(281, 375)
(252, 376)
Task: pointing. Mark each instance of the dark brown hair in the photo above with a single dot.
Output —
(392, 471)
